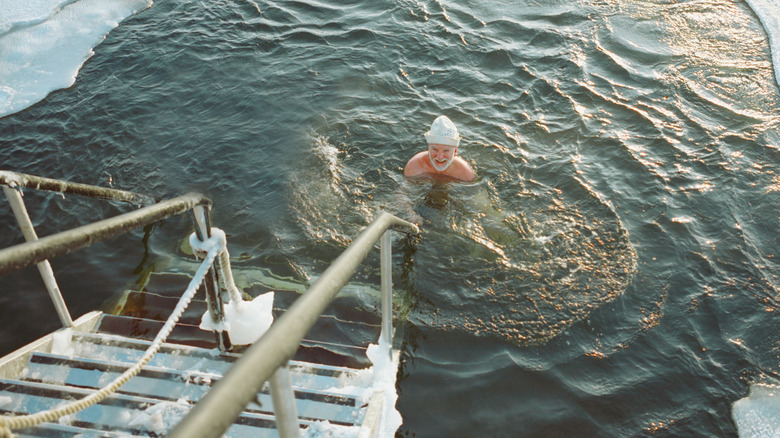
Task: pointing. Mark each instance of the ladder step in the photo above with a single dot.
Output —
(349, 305)
(150, 305)
(343, 307)
(347, 326)
(121, 413)
(310, 351)
(139, 328)
(112, 348)
(51, 430)
(189, 385)
(338, 331)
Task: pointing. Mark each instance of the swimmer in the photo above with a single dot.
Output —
(441, 157)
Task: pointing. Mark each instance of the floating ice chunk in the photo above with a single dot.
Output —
(43, 44)
(758, 415)
(769, 15)
(16, 14)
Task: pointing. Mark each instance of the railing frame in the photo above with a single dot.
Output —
(39, 251)
(23, 180)
(55, 245)
(267, 359)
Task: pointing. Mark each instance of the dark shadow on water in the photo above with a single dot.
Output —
(523, 271)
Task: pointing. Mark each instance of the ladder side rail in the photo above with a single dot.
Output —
(55, 245)
(22, 180)
(219, 408)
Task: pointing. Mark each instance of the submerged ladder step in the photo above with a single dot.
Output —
(344, 324)
(150, 305)
(171, 385)
(331, 353)
(140, 328)
(355, 306)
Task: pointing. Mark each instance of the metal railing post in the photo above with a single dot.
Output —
(284, 403)
(44, 267)
(385, 262)
(216, 308)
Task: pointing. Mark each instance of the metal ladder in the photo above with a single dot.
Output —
(195, 380)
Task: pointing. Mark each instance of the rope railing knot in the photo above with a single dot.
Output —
(218, 238)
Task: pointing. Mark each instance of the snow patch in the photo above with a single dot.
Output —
(162, 417)
(62, 342)
(758, 415)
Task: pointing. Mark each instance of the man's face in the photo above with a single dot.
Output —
(441, 155)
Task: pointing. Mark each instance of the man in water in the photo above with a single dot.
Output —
(441, 157)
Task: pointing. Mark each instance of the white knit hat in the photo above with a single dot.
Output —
(443, 131)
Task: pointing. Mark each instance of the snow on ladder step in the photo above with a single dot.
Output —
(120, 413)
(51, 430)
(171, 385)
(181, 357)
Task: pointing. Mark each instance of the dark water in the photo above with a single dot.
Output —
(612, 272)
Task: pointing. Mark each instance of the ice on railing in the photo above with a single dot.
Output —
(384, 379)
(380, 377)
(245, 321)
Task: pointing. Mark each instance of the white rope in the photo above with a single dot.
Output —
(215, 245)
(224, 263)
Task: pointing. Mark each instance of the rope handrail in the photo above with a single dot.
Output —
(216, 245)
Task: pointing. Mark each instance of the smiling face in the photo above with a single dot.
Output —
(441, 155)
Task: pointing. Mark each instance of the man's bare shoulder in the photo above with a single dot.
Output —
(417, 165)
(462, 170)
